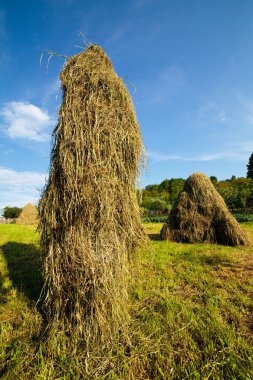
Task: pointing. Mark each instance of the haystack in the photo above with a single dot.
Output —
(29, 215)
(200, 216)
(89, 216)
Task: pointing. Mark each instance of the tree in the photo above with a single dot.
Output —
(154, 204)
(159, 205)
(250, 167)
(214, 180)
(164, 185)
(249, 201)
(11, 212)
(176, 187)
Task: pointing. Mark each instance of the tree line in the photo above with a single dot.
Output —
(236, 192)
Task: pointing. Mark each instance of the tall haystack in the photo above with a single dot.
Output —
(200, 216)
(29, 215)
(89, 216)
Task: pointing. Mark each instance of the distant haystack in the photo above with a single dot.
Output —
(29, 215)
(201, 216)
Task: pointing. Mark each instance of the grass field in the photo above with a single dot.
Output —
(191, 305)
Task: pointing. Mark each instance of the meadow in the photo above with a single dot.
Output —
(191, 306)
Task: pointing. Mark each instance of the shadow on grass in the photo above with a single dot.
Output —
(24, 268)
(203, 259)
(154, 236)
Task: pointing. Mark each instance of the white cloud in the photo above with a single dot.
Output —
(218, 156)
(226, 155)
(26, 121)
(15, 178)
(19, 188)
(154, 156)
(51, 93)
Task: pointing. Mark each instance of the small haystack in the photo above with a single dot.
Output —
(201, 216)
(89, 216)
(29, 215)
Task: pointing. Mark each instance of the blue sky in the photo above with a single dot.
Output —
(191, 62)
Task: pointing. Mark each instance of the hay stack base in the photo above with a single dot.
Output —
(29, 215)
(89, 215)
(201, 216)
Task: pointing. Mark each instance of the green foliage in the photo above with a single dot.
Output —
(250, 167)
(167, 192)
(12, 212)
(213, 179)
(155, 204)
(243, 217)
(154, 218)
(236, 192)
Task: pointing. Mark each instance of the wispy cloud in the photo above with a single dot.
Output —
(165, 86)
(51, 93)
(154, 156)
(18, 188)
(118, 33)
(235, 109)
(141, 3)
(247, 108)
(12, 177)
(213, 112)
(242, 146)
(8, 151)
(228, 155)
(23, 120)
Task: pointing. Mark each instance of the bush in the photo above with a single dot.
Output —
(244, 217)
(154, 218)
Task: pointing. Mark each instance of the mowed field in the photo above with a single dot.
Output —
(191, 306)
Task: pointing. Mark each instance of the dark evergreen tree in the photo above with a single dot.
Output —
(250, 167)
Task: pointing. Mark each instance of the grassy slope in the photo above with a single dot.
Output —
(193, 302)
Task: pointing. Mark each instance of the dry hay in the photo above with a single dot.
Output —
(89, 216)
(29, 215)
(200, 216)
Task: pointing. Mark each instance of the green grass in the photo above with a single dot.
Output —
(191, 305)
